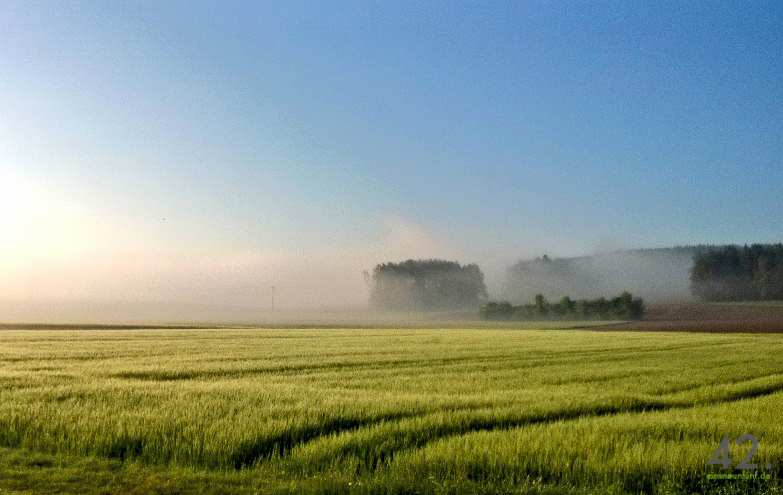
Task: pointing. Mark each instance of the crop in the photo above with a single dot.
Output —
(383, 410)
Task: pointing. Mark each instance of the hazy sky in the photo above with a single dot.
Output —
(192, 150)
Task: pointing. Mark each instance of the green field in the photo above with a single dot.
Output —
(384, 411)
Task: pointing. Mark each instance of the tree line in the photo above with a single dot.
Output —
(710, 273)
(622, 307)
(738, 273)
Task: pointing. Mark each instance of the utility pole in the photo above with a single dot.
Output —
(273, 300)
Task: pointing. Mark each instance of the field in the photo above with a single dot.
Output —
(729, 317)
(397, 411)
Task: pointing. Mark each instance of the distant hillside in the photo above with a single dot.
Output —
(655, 275)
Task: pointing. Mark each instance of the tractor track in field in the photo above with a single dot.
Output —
(371, 456)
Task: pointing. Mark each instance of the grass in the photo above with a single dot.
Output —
(383, 411)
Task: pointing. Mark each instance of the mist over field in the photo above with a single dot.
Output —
(62, 263)
(656, 275)
(326, 286)
(103, 271)
(141, 279)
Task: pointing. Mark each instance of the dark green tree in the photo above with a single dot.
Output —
(622, 307)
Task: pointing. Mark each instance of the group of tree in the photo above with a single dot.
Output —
(427, 285)
(717, 273)
(738, 273)
(622, 307)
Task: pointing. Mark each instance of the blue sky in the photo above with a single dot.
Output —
(300, 142)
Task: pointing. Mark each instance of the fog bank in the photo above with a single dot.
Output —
(656, 275)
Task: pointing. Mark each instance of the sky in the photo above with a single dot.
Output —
(201, 152)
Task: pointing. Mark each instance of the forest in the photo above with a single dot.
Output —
(738, 273)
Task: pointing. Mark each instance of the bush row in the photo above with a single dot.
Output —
(622, 307)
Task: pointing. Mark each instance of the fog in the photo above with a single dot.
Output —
(656, 275)
(324, 284)
(146, 280)
(62, 261)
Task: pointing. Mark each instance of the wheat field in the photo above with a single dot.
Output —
(394, 411)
